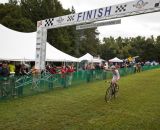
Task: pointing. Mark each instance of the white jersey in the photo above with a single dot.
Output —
(116, 75)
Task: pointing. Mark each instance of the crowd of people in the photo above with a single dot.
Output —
(20, 69)
(10, 68)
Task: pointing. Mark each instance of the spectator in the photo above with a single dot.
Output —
(0, 68)
(4, 90)
(89, 72)
(5, 70)
(23, 70)
(35, 77)
(11, 68)
(63, 75)
(70, 71)
(52, 69)
(48, 68)
(17, 69)
(135, 67)
(139, 67)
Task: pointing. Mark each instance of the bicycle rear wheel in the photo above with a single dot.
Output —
(116, 90)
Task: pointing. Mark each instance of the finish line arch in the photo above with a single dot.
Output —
(136, 7)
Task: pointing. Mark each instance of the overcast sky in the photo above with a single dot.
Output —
(143, 25)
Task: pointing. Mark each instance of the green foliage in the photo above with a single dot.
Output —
(88, 41)
(157, 48)
(146, 48)
(11, 17)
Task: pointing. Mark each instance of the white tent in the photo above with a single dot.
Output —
(87, 57)
(97, 60)
(115, 60)
(18, 46)
(54, 54)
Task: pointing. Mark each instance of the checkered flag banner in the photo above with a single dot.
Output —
(121, 8)
(49, 22)
(157, 4)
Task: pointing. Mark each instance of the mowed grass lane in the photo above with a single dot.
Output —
(83, 108)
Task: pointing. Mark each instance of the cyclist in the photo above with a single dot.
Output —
(116, 75)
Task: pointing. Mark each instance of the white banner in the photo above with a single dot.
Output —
(116, 11)
(40, 46)
(136, 7)
(93, 25)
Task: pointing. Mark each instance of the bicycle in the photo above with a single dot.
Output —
(111, 91)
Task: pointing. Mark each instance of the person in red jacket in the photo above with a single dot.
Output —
(63, 72)
(70, 70)
(53, 70)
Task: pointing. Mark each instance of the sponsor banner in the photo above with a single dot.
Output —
(40, 47)
(93, 25)
(109, 12)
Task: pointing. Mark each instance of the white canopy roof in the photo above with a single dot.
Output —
(97, 60)
(53, 54)
(18, 46)
(87, 57)
(115, 60)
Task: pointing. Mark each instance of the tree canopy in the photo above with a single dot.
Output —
(23, 16)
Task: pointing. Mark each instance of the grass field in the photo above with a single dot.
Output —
(83, 107)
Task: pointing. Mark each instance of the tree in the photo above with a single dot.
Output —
(108, 49)
(11, 17)
(157, 49)
(88, 42)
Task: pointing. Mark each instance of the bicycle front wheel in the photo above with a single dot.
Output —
(108, 94)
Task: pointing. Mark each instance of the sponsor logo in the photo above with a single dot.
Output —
(60, 20)
(140, 4)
